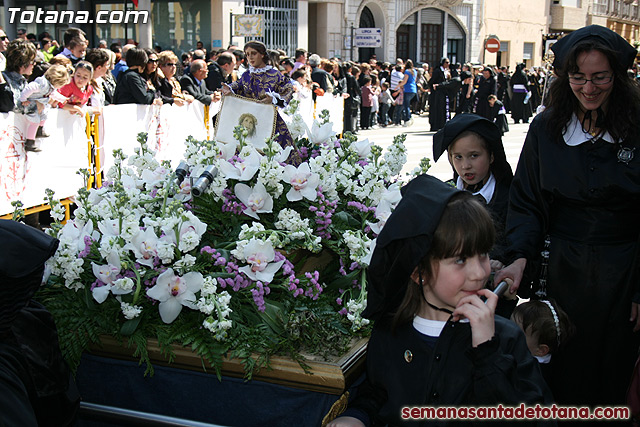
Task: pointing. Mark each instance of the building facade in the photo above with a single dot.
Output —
(421, 30)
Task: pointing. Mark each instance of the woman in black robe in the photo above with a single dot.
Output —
(439, 103)
(578, 181)
(488, 86)
(519, 84)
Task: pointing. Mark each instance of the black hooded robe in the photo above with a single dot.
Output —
(588, 202)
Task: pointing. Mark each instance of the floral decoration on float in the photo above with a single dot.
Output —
(268, 259)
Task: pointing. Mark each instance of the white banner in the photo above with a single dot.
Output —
(26, 175)
(167, 126)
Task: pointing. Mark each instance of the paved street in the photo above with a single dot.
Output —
(419, 144)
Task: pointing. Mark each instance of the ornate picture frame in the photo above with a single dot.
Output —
(259, 118)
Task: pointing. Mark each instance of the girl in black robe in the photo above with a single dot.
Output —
(578, 181)
(494, 186)
(420, 353)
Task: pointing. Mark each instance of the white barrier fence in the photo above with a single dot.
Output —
(25, 175)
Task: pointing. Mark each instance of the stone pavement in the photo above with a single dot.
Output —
(419, 144)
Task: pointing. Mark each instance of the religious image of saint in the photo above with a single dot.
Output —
(249, 122)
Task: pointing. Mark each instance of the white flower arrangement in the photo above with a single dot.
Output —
(236, 263)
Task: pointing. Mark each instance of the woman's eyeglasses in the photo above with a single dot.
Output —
(598, 80)
(4, 38)
(152, 61)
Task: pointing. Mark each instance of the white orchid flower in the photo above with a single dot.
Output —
(383, 212)
(256, 199)
(283, 155)
(259, 256)
(366, 260)
(144, 246)
(320, 134)
(175, 291)
(154, 178)
(392, 195)
(242, 171)
(363, 148)
(107, 275)
(76, 232)
(227, 150)
(304, 183)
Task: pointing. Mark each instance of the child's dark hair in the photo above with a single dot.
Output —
(465, 230)
(366, 79)
(539, 316)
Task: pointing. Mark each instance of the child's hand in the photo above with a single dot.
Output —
(157, 101)
(178, 101)
(40, 107)
(75, 109)
(26, 103)
(480, 315)
(346, 422)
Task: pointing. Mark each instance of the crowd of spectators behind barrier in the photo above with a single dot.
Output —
(376, 93)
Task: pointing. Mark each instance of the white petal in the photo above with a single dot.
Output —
(194, 281)
(159, 292)
(270, 270)
(293, 195)
(169, 310)
(188, 299)
(100, 293)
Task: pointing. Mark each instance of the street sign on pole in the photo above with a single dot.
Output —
(367, 37)
(492, 44)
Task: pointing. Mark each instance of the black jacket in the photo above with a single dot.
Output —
(132, 89)
(450, 374)
(201, 93)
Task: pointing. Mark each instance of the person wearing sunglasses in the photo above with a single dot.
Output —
(4, 42)
(169, 87)
(578, 184)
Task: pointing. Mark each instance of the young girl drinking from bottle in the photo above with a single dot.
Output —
(435, 342)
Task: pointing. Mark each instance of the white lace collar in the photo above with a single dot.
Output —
(574, 134)
(259, 70)
(487, 189)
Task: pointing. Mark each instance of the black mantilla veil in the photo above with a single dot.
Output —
(487, 130)
(403, 242)
(623, 109)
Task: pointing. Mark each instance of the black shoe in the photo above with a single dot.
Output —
(40, 133)
(30, 145)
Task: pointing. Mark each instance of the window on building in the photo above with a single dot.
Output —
(502, 58)
(527, 51)
(430, 43)
(600, 7)
(280, 23)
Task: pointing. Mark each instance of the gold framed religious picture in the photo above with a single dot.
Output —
(259, 120)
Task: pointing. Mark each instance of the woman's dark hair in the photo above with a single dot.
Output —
(623, 108)
(538, 316)
(136, 57)
(20, 53)
(465, 230)
(261, 48)
(297, 74)
(154, 77)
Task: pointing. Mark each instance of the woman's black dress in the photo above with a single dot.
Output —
(588, 202)
(439, 112)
